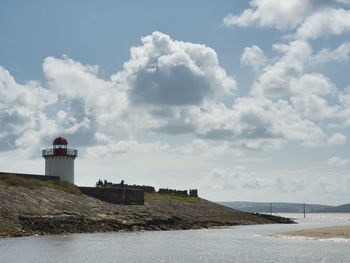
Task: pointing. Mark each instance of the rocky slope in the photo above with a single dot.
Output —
(45, 210)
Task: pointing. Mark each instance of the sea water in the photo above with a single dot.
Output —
(231, 244)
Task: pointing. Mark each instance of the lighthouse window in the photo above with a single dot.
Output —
(60, 146)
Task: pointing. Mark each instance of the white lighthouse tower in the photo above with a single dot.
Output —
(59, 160)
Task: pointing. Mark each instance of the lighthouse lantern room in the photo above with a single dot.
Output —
(59, 160)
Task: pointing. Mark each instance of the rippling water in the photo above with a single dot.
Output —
(234, 244)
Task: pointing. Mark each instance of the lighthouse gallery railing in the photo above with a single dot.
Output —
(50, 152)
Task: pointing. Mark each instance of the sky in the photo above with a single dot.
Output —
(242, 100)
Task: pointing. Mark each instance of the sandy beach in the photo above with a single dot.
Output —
(322, 233)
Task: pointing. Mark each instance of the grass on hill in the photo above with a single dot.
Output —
(13, 180)
(171, 197)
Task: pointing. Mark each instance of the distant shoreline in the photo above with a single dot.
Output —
(280, 207)
(333, 232)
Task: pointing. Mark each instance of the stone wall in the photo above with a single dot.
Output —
(120, 196)
(33, 176)
(145, 188)
(172, 191)
(193, 192)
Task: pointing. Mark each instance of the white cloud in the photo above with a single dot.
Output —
(230, 179)
(86, 103)
(167, 72)
(94, 111)
(21, 112)
(340, 54)
(278, 120)
(324, 23)
(314, 107)
(252, 119)
(337, 161)
(112, 148)
(313, 185)
(77, 103)
(247, 184)
(253, 57)
(312, 83)
(287, 78)
(275, 79)
(98, 113)
(208, 149)
(311, 19)
(270, 13)
(337, 139)
(344, 101)
(309, 96)
(170, 83)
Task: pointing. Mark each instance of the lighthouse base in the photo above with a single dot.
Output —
(61, 166)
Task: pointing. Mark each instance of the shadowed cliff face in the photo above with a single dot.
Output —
(46, 210)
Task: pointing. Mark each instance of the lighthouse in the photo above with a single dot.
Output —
(59, 160)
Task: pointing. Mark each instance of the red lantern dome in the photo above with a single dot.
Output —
(60, 141)
(59, 148)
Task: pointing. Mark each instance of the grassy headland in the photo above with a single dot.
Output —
(13, 180)
(171, 197)
(30, 206)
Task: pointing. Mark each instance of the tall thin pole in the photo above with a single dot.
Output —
(304, 210)
(271, 208)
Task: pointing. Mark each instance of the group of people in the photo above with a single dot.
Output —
(104, 183)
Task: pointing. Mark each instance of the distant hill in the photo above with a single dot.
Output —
(337, 209)
(258, 207)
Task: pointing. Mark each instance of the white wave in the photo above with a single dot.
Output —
(334, 239)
